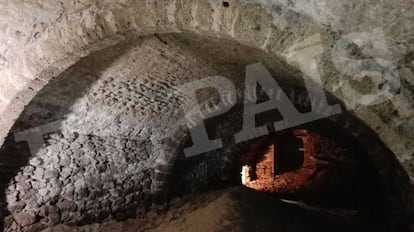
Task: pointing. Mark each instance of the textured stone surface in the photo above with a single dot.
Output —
(102, 124)
(58, 34)
(127, 84)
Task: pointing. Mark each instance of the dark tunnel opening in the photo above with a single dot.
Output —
(334, 176)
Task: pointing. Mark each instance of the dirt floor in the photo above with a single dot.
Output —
(232, 209)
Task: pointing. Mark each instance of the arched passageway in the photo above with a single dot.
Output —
(94, 135)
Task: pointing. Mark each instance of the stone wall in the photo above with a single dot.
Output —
(100, 123)
(41, 39)
(101, 70)
(80, 179)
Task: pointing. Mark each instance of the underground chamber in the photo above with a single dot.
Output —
(103, 143)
